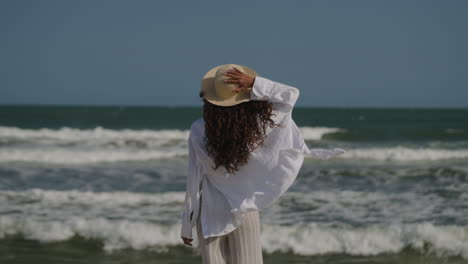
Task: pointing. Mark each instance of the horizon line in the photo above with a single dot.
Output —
(196, 106)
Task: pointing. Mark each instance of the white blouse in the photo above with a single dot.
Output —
(270, 171)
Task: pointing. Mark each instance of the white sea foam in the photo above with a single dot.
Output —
(107, 199)
(311, 239)
(400, 153)
(88, 156)
(98, 145)
(332, 208)
(114, 234)
(66, 134)
(142, 220)
(55, 155)
(306, 239)
(99, 134)
(316, 133)
(63, 205)
(76, 146)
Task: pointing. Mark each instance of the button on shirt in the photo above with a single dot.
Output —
(269, 172)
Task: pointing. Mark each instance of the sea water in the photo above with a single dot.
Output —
(89, 184)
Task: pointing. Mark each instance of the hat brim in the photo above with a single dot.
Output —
(209, 93)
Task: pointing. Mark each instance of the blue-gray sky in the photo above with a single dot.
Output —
(338, 53)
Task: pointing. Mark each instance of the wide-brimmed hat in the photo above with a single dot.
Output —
(218, 92)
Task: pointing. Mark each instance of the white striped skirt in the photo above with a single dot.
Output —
(241, 246)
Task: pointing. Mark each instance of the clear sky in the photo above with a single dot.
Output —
(338, 53)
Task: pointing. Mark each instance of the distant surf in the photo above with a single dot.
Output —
(99, 145)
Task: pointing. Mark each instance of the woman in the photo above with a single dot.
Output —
(244, 153)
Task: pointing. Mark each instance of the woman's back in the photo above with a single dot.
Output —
(269, 172)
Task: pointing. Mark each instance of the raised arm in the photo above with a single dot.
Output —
(283, 95)
(284, 98)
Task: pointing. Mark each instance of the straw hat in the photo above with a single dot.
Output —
(216, 91)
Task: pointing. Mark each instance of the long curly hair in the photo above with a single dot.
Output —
(232, 132)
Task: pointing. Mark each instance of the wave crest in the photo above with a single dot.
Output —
(309, 239)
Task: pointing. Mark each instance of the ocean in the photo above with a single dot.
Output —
(102, 184)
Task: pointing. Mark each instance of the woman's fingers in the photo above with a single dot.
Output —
(238, 77)
(232, 73)
(235, 71)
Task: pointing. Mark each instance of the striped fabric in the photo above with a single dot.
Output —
(241, 246)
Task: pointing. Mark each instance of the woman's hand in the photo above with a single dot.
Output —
(187, 241)
(245, 82)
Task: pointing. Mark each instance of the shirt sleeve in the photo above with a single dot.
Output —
(192, 195)
(284, 96)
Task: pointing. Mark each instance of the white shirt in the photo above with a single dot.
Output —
(270, 171)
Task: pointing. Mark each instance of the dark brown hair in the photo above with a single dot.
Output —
(232, 132)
